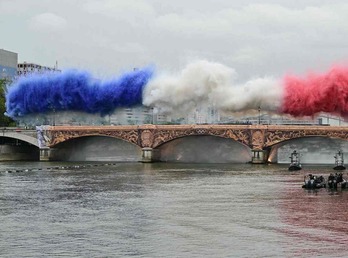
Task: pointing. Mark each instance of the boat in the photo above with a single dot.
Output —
(314, 182)
(336, 181)
(339, 161)
(295, 163)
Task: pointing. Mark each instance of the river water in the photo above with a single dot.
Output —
(168, 210)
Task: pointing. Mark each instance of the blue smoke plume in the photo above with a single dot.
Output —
(75, 91)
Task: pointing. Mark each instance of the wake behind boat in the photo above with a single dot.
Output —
(295, 163)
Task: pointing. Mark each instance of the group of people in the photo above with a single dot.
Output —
(333, 181)
(314, 182)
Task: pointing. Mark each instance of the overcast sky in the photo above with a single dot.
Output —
(107, 37)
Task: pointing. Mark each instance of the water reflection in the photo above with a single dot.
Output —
(315, 220)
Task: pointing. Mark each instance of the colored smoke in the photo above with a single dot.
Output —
(317, 93)
(204, 83)
(199, 84)
(75, 91)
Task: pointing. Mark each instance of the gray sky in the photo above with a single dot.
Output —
(107, 37)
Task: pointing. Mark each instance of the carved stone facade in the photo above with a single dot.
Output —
(59, 134)
(278, 135)
(257, 137)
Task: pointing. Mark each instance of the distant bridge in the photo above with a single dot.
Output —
(25, 135)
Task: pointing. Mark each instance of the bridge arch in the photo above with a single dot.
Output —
(20, 136)
(96, 148)
(287, 141)
(163, 136)
(19, 145)
(203, 148)
(168, 140)
(57, 137)
(313, 149)
(274, 137)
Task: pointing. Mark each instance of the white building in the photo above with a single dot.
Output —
(26, 68)
(202, 115)
(136, 116)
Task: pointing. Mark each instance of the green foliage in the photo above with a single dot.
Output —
(4, 120)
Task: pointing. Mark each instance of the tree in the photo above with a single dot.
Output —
(4, 120)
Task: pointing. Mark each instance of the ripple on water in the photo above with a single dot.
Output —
(168, 210)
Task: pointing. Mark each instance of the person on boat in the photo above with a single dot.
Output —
(331, 177)
(332, 180)
(295, 154)
(320, 179)
(311, 181)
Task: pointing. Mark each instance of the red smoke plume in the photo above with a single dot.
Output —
(317, 93)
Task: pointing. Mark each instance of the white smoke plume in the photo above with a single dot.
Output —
(204, 83)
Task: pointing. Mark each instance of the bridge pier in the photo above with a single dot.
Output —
(149, 155)
(46, 154)
(259, 156)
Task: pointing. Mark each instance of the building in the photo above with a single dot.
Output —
(8, 64)
(25, 68)
(136, 116)
(202, 115)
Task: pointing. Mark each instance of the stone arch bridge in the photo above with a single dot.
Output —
(28, 136)
(259, 138)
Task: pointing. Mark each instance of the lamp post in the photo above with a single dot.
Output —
(259, 114)
(54, 117)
